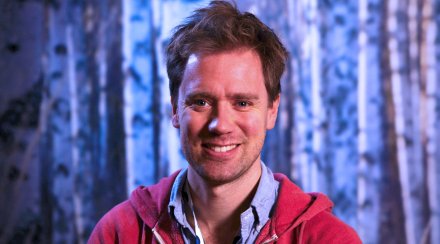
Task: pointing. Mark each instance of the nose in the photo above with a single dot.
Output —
(221, 120)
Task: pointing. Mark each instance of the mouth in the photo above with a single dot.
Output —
(221, 148)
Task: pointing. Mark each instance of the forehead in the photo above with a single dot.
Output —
(238, 69)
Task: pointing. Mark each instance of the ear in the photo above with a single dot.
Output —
(175, 116)
(272, 113)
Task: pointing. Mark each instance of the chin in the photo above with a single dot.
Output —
(218, 175)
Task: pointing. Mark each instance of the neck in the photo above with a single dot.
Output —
(218, 207)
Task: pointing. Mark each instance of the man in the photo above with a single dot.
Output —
(224, 69)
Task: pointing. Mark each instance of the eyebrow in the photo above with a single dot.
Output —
(196, 94)
(244, 96)
(235, 96)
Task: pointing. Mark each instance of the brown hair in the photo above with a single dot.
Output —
(221, 27)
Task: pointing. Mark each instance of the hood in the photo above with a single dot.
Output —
(151, 204)
(293, 208)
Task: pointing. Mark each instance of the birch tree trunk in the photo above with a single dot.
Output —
(370, 122)
(142, 93)
(430, 53)
(294, 39)
(163, 106)
(21, 86)
(138, 94)
(58, 167)
(308, 116)
(405, 90)
(111, 151)
(339, 85)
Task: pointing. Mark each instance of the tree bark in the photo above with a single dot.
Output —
(370, 107)
(339, 98)
(405, 99)
(21, 87)
(429, 64)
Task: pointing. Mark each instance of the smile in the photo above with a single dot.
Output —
(222, 148)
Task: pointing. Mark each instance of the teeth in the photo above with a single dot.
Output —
(224, 149)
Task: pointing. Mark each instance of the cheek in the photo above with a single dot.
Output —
(252, 124)
(191, 124)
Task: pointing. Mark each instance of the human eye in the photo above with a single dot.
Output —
(200, 102)
(243, 105)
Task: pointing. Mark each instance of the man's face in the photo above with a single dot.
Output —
(223, 113)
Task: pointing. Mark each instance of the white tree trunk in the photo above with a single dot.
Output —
(61, 128)
(338, 93)
(21, 86)
(295, 37)
(74, 128)
(405, 92)
(317, 176)
(138, 94)
(370, 122)
(431, 102)
(309, 116)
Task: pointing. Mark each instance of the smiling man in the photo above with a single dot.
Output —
(224, 68)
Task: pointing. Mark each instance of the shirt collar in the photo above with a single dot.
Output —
(177, 198)
(265, 196)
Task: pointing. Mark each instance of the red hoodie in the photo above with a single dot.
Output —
(298, 218)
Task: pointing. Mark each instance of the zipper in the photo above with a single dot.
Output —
(272, 239)
(158, 237)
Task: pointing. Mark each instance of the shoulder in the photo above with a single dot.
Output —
(120, 221)
(121, 214)
(327, 228)
(316, 224)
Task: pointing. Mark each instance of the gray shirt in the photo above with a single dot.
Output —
(252, 219)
